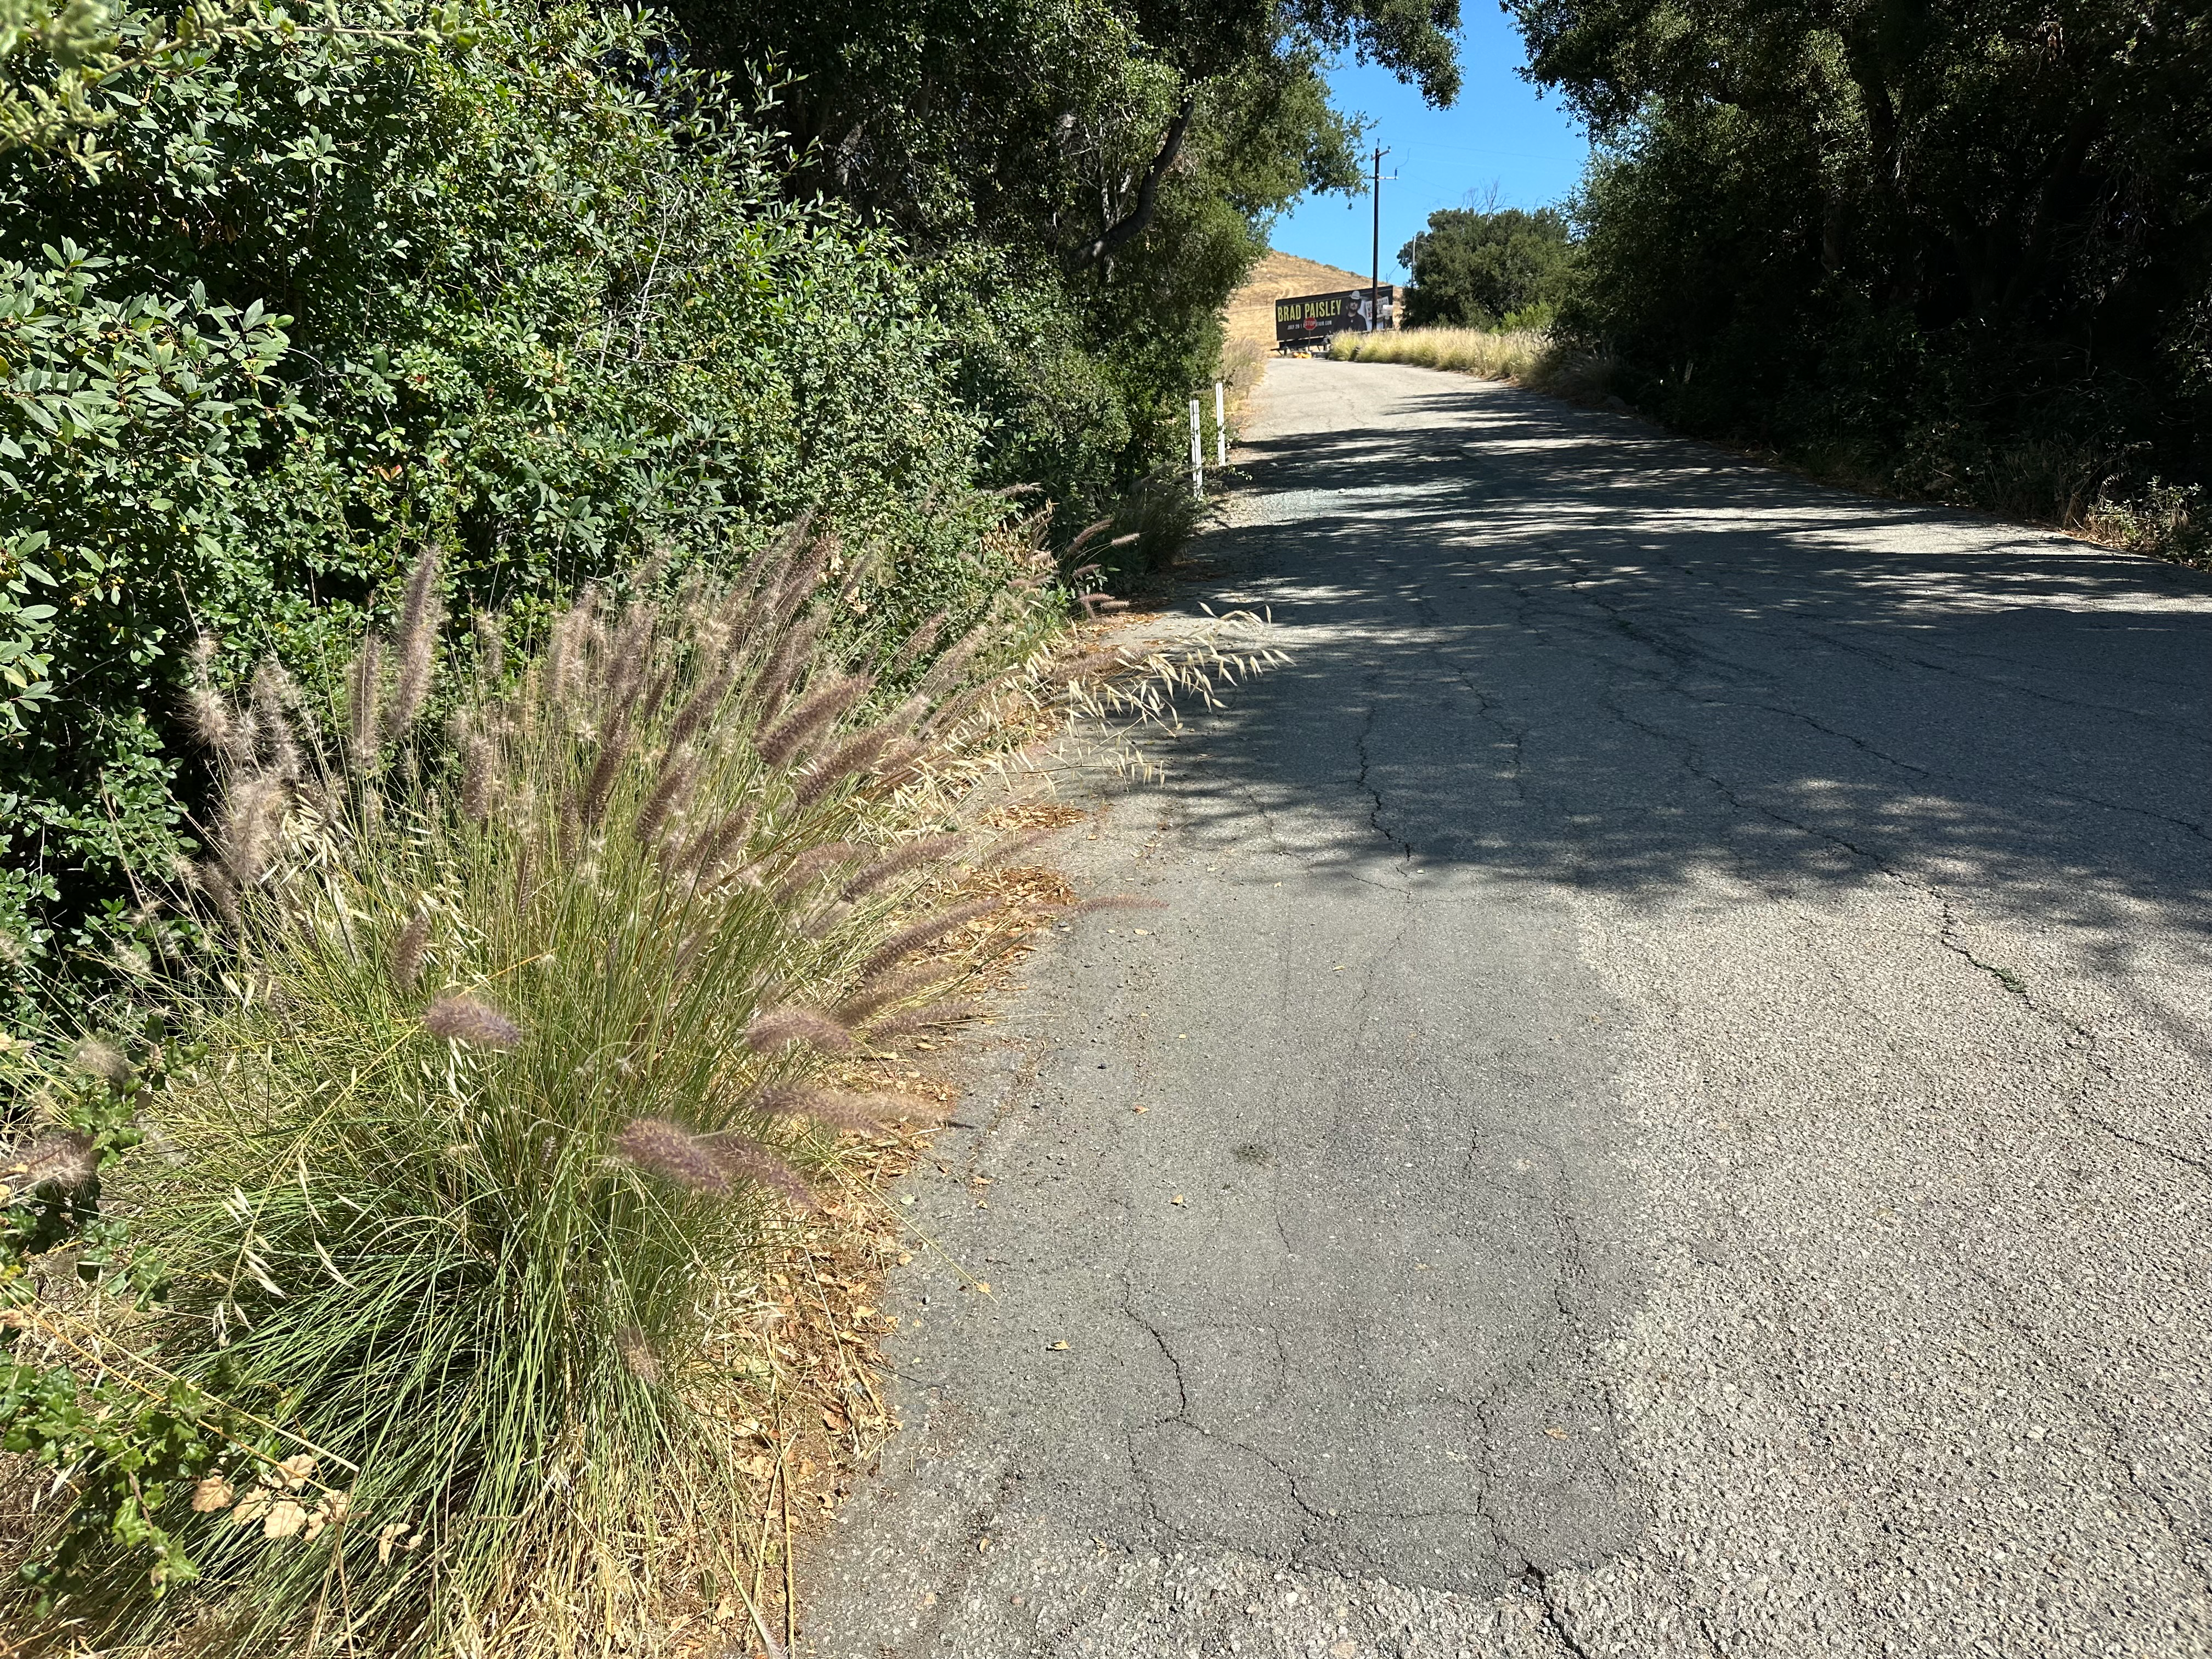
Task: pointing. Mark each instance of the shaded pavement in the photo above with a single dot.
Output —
(1672, 1073)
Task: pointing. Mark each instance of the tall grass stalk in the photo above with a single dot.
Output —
(499, 1119)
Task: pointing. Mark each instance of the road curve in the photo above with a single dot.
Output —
(1674, 1084)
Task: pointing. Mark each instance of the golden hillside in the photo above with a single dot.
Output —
(1250, 314)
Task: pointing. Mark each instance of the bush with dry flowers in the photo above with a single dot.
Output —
(508, 1082)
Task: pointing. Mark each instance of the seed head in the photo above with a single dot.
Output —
(1013, 847)
(599, 785)
(637, 1355)
(719, 840)
(749, 1160)
(252, 817)
(274, 693)
(101, 1059)
(567, 652)
(364, 694)
(927, 931)
(865, 1114)
(791, 651)
(850, 758)
(477, 754)
(421, 615)
(408, 945)
(778, 1028)
(673, 1153)
(65, 1161)
(929, 850)
(209, 714)
(886, 988)
(923, 1019)
(676, 775)
(701, 705)
(809, 866)
(918, 644)
(491, 646)
(472, 1021)
(817, 709)
(945, 673)
(950, 714)
(805, 576)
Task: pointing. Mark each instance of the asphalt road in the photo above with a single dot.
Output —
(1672, 1073)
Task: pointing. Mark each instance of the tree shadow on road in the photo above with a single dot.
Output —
(1559, 647)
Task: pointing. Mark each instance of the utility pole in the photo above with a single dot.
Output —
(1374, 267)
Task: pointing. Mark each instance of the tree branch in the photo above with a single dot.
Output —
(1148, 195)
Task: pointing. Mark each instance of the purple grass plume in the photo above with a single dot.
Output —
(491, 646)
(638, 1358)
(778, 1028)
(930, 849)
(674, 1153)
(409, 945)
(792, 652)
(814, 711)
(214, 723)
(250, 827)
(599, 785)
(929, 1015)
(476, 757)
(364, 698)
(719, 840)
(421, 617)
(707, 1163)
(919, 643)
(839, 1108)
(677, 772)
(273, 695)
(470, 1021)
(884, 989)
(926, 932)
(1006, 851)
(749, 1160)
(811, 866)
(842, 763)
(702, 704)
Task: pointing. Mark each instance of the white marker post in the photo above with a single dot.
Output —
(1197, 455)
(1220, 430)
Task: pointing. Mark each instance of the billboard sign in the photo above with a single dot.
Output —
(1313, 317)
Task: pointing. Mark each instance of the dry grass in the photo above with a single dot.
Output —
(1249, 316)
(696, 1443)
(1511, 354)
(1525, 357)
(820, 1297)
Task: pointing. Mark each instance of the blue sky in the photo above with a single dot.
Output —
(1501, 132)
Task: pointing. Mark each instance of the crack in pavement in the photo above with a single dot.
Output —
(1709, 1061)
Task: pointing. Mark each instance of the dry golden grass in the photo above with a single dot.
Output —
(1527, 357)
(1249, 316)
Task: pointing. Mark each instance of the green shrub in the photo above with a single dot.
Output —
(1488, 269)
(329, 291)
(1897, 250)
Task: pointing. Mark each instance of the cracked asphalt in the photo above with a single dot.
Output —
(1664, 1110)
